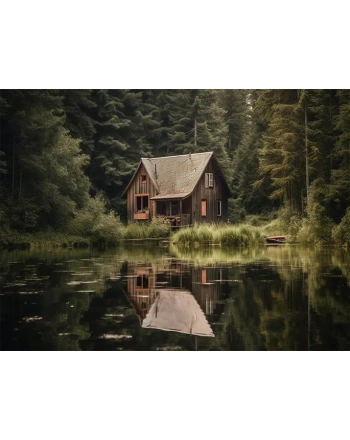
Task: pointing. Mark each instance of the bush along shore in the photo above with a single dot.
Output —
(225, 236)
(97, 229)
(101, 231)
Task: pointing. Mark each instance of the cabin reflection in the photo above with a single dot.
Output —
(175, 297)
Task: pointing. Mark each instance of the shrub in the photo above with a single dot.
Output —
(341, 232)
(159, 227)
(95, 222)
(316, 228)
(108, 230)
(223, 235)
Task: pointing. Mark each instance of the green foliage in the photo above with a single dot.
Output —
(282, 158)
(108, 230)
(95, 222)
(316, 228)
(40, 240)
(60, 148)
(158, 228)
(341, 232)
(225, 236)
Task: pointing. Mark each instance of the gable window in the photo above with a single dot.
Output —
(209, 180)
(204, 208)
(143, 184)
(219, 208)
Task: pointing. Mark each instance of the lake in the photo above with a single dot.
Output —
(153, 298)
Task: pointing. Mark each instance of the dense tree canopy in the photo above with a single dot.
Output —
(277, 148)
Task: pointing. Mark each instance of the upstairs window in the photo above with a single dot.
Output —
(209, 180)
(143, 179)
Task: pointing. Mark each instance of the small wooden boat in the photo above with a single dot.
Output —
(276, 239)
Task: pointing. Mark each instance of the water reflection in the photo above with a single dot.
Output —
(175, 297)
(170, 299)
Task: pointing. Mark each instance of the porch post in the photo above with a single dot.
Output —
(180, 212)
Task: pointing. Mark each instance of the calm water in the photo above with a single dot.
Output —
(272, 298)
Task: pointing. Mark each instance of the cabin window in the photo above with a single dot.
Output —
(209, 180)
(219, 208)
(143, 179)
(141, 203)
(142, 282)
(204, 208)
(174, 208)
(161, 208)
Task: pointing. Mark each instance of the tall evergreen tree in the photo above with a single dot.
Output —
(340, 174)
(45, 182)
(79, 109)
(235, 104)
(198, 124)
(282, 156)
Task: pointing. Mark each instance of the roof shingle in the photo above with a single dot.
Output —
(176, 176)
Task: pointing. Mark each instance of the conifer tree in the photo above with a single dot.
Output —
(79, 109)
(110, 159)
(282, 158)
(45, 181)
(340, 173)
(198, 124)
(235, 104)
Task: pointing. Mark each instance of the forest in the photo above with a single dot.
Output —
(66, 156)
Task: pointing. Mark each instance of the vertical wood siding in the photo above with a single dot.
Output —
(191, 205)
(135, 188)
(211, 195)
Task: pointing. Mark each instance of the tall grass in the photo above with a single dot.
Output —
(157, 228)
(225, 236)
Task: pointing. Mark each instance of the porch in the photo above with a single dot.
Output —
(176, 211)
(177, 221)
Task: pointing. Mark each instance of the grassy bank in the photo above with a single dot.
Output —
(313, 229)
(225, 236)
(108, 231)
(41, 240)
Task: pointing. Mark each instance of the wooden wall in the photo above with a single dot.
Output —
(211, 195)
(136, 188)
(191, 205)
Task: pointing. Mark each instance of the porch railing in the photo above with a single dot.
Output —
(178, 221)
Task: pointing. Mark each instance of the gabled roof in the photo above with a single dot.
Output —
(175, 176)
(178, 311)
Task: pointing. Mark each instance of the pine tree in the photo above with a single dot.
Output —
(340, 173)
(235, 104)
(282, 156)
(198, 124)
(79, 109)
(45, 182)
(110, 160)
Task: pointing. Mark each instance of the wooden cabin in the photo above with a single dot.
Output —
(186, 189)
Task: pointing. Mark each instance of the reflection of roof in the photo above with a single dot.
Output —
(177, 311)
